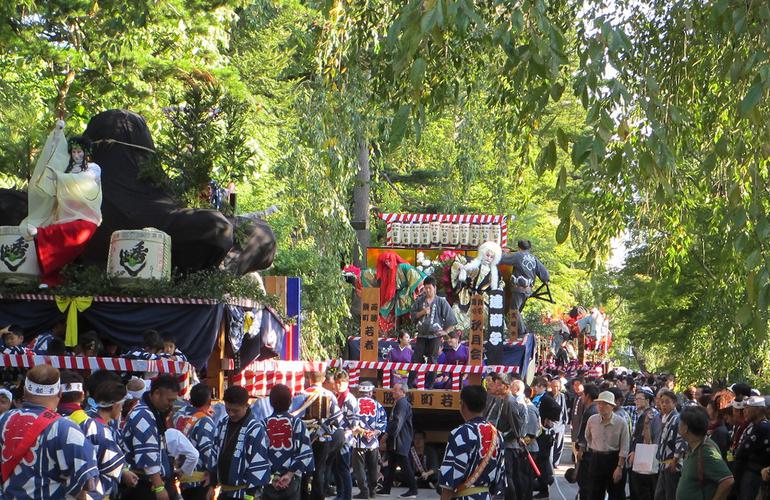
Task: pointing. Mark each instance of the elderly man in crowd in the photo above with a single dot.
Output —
(608, 439)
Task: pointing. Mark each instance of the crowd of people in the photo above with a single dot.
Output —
(633, 434)
(115, 435)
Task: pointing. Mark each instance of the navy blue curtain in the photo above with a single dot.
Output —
(194, 327)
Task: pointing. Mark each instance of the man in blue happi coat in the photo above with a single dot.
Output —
(288, 448)
(44, 456)
(195, 422)
(473, 462)
(144, 442)
(240, 449)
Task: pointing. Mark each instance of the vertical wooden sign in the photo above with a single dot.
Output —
(476, 338)
(370, 310)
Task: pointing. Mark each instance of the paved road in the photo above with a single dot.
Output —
(560, 490)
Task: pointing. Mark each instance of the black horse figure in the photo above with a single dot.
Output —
(200, 238)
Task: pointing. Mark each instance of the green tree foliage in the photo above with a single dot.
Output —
(582, 119)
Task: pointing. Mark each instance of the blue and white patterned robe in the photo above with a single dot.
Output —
(249, 466)
(671, 442)
(61, 463)
(109, 457)
(201, 435)
(145, 448)
(288, 445)
(40, 344)
(333, 420)
(465, 450)
(349, 410)
(373, 417)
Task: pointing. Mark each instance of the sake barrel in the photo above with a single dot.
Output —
(435, 232)
(406, 234)
(454, 235)
(137, 254)
(18, 257)
(465, 234)
(395, 229)
(446, 232)
(425, 234)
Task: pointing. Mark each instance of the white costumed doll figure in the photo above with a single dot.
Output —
(477, 276)
(483, 266)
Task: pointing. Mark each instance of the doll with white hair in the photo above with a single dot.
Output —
(477, 276)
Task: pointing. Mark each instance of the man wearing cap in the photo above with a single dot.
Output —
(646, 431)
(607, 438)
(373, 421)
(753, 452)
(454, 353)
(42, 452)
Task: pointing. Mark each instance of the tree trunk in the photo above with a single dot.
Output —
(639, 359)
(361, 205)
(361, 219)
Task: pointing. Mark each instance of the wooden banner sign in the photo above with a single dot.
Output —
(476, 338)
(370, 310)
(425, 399)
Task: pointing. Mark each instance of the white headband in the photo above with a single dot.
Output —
(136, 394)
(41, 389)
(74, 387)
(108, 404)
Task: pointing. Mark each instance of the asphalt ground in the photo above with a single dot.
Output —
(560, 490)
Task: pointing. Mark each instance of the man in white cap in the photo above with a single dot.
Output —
(753, 452)
(43, 453)
(373, 421)
(607, 437)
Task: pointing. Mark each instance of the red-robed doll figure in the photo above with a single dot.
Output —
(68, 210)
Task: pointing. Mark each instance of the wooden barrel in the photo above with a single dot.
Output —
(18, 257)
(139, 254)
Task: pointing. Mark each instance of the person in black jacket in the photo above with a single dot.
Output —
(398, 436)
(550, 412)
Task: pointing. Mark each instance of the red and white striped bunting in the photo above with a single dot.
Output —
(243, 302)
(94, 363)
(453, 218)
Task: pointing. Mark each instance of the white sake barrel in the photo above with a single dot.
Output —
(406, 234)
(484, 235)
(137, 254)
(446, 231)
(475, 235)
(465, 234)
(454, 235)
(18, 257)
(496, 234)
(435, 233)
(425, 234)
(396, 233)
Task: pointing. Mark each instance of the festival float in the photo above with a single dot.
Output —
(91, 240)
(94, 242)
